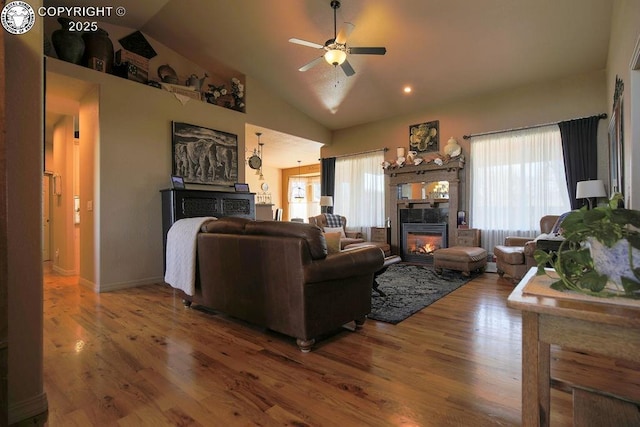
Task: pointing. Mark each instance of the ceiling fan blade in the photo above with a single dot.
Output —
(344, 32)
(347, 68)
(311, 64)
(367, 50)
(306, 43)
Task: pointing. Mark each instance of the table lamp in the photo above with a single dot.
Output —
(590, 189)
(326, 202)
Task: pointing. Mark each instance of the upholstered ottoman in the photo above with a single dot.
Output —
(460, 258)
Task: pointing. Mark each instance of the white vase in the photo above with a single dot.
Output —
(614, 262)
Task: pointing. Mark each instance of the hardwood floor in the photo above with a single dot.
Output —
(138, 358)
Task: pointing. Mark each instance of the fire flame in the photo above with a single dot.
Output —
(427, 248)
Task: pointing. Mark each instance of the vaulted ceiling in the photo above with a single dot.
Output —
(444, 49)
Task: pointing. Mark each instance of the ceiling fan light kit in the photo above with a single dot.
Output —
(336, 49)
(335, 56)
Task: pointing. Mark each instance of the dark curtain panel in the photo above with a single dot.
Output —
(328, 178)
(580, 152)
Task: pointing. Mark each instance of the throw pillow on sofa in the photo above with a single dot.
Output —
(333, 242)
(335, 230)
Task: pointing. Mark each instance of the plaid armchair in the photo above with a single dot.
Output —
(325, 221)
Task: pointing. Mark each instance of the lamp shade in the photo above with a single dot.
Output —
(326, 201)
(335, 56)
(592, 188)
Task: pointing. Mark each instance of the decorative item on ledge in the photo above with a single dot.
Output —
(430, 159)
(452, 149)
(98, 51)
(232, 98)
(600, 253)
(68, 45)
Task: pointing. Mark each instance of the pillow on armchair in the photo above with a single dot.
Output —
(557, 227)
(333, 220)
(339, 230)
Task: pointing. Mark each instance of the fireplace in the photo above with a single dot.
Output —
(421, 240)
(419, 176)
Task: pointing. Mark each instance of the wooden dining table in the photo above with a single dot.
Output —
(607, 327)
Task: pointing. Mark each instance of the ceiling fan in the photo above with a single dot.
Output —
(336, 48)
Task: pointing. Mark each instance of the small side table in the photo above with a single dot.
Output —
(598, 327)
(468, 237)
(380, 234)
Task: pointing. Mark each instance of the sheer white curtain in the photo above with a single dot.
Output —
(359, 190)
(516, 178)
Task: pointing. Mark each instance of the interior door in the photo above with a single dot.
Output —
(46, 219)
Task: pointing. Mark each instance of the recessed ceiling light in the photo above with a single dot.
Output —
(407, 89)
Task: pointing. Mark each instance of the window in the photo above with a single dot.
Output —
(516, 178)
(359, 190)
(304, 197)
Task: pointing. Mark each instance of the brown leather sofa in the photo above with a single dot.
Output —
(278, 275)
(350, 238)
(515, 257)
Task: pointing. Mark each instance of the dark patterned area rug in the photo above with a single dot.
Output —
(409, 289)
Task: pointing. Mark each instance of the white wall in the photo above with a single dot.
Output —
(24, 139)
(132, 161)
(544, 102)
(63, 255)
(89, 117)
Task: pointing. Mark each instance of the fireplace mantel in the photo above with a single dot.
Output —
(449, 171)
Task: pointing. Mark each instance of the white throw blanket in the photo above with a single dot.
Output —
(181, 253)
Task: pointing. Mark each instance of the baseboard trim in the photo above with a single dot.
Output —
(35, 409)
(131, 284)
(88, 284)
(63, 272)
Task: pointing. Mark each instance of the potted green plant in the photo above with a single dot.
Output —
(600, 253)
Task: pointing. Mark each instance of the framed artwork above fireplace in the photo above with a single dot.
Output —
(425, 137)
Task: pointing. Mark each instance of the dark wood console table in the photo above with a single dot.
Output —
(178, 204)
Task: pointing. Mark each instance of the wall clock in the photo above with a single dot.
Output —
(255, 161)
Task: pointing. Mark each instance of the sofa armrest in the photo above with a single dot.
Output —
(516, 241)
(353, 234)
(341, 265)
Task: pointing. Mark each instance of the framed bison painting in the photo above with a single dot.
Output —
(204, 156)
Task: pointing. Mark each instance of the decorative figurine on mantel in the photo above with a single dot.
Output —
(452, 149)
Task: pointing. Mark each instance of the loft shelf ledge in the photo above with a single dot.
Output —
(90, 76)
